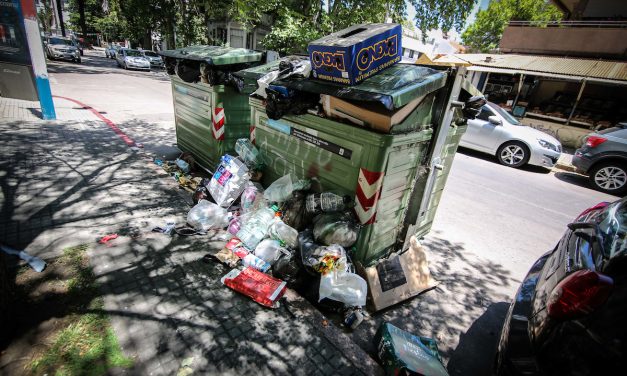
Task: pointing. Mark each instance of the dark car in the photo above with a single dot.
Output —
(604, 159)
(568, 316)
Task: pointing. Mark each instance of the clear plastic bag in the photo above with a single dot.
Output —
(336, 228)
(270, 250)
(280, 190)
(206, 215)
(255, 227)
(249, 195)
(229, 180)
(343, 286)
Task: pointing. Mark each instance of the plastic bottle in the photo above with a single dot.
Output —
(280, 231)
(247, 151)
(326, 202)
(256, 227)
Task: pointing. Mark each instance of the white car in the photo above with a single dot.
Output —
(131, 59)
(496, 132)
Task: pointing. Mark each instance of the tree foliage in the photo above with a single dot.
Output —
(294, 22)
(485, 33)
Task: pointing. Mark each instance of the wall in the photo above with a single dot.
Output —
(574, 41)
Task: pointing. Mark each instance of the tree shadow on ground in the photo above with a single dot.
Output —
(71, 183)
(96, 65)
(573, 178)
(469, 286)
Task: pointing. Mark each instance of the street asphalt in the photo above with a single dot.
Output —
(492, 224)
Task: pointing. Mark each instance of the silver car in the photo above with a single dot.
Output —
(131, 59)
(62, 48)
(496, 132)
(155, 60)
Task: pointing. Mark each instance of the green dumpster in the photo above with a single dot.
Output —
(384, 172)
(209, 113)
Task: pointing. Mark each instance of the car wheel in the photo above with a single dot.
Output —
(125, 66)
(609, 177)
(78, 61)
(513, 154)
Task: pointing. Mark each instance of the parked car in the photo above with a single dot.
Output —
(62, 48)
(568, 316)
(496, 132)
(603, 157)
(131, 59)
(111, 51)
(155, 60)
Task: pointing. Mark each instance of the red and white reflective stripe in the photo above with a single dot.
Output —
(253, 134)
(218, 124)
(367, 194)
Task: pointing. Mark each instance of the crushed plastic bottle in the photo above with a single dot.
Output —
(284, 233)
(326, 202)
(245, 149)
(256, 227)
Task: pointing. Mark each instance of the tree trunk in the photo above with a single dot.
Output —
(81, 15)
(60, 17)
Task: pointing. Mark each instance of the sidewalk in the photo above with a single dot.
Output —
(71, 181)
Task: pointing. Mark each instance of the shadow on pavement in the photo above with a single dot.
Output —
(471, 291)
(481, 338)
(101, 65)
(573, 178)
(492, 158)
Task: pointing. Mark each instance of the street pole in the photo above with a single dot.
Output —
(38, 59)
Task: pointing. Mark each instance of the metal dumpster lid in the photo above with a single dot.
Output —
(261, 70)
(394, 87)
(214, 55)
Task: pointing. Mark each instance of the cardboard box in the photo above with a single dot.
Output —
(379, 120)
(351, 55)
(399, 277)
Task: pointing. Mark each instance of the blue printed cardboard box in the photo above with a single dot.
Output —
(354, 54)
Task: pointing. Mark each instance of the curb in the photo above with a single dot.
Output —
(303, 310)
(564, 167)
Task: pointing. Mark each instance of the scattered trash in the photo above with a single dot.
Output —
(227, 257)
(184, 166)
(186, 367)
(401, 352)
(206, 215)
(280, 190)
(247, 151)
(256, 263)
(36, 263)
(294, 211)
(287, 269)
(249, 195)
(229, 180)
(107, 238)
(343, 286)
(336, 228)
(259, 286)
(270, 250)
(167, 229)
(256, 227)
(285, 234)
(327, 202)
(353, 317)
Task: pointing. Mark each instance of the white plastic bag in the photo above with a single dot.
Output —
(269, 250)
(206, 215)
(345, 287)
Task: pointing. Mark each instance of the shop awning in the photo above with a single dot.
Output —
(602, 71)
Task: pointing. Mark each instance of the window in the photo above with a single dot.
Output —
(411, 54)
(249, 41)
(237, 38)
(485, 113)
(260, 37)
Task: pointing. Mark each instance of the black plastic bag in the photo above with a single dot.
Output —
(336, 228)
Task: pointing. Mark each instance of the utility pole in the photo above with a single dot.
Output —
(60, 14)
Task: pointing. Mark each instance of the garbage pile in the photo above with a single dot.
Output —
(286, 235)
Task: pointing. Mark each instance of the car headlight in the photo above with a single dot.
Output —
(547, 145)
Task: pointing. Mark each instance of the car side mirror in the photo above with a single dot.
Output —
(494, 120)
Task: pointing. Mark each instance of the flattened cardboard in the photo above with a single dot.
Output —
(415, 270)
(382, 121)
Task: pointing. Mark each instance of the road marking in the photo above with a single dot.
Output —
(129, 141)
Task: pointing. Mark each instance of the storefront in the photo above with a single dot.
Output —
(567, 98)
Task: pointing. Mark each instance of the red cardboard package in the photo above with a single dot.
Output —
(262, 288)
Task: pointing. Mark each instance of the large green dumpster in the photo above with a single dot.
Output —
(382, 171)
(209, 118)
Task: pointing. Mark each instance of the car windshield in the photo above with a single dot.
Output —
(612, 224)
(65, 42)
(150, 53)
(504, 114)
(133, 53)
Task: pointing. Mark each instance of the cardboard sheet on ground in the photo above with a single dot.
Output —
(399, 277)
